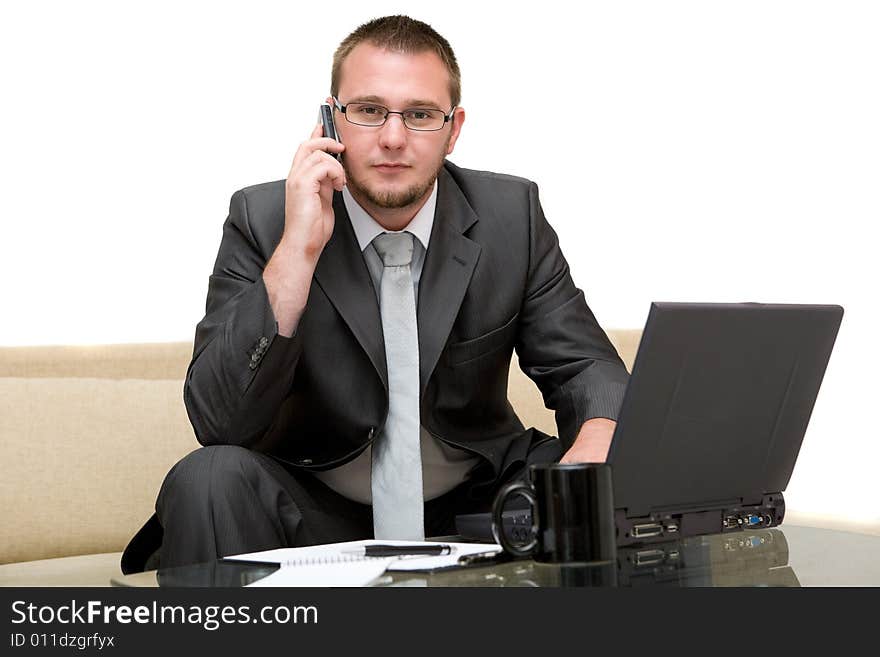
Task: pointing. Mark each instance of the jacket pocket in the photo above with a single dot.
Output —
(462, 352)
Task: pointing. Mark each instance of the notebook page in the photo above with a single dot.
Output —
(349, 573)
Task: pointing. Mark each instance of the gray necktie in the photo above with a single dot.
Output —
(396, 478)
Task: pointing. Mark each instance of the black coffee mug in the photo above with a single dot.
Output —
(572, 513)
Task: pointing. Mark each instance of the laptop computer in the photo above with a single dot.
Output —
(712, 421)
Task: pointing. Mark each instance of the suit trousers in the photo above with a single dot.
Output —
(222, 500)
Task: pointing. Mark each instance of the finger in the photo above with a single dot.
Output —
(305, 149)
(329, 145)
(320, 155)
(320, 167)
(334, 171)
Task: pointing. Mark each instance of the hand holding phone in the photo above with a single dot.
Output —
(315, 175)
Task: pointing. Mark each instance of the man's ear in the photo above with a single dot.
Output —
(457, 123)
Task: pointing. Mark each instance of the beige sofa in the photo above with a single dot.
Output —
(87, 435)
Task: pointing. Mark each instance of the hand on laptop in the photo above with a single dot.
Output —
(592, 442)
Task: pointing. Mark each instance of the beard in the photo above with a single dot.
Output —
(396, 200)
(393, 200)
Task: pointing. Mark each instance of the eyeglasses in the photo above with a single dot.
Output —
(372, 115)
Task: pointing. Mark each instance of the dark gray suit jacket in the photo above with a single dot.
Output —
(494, 279)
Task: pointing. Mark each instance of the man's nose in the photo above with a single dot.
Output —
(393, 133)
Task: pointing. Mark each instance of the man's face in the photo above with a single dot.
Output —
(399, 82)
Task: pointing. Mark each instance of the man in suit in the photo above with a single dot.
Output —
(349, 378)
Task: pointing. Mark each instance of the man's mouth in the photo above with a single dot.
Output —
(390, 167)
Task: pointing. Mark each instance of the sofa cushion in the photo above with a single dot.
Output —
(83, 461)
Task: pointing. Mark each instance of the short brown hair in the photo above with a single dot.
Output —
(399, 34)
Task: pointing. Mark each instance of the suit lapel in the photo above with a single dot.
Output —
(446, 274)
(343, 275)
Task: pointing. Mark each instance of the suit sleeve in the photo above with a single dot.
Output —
(242, 368)
(561, 346)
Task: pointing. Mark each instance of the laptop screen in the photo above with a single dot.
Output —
(718, 402)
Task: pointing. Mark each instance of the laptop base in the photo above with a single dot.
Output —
(645, 530)
(671, 524)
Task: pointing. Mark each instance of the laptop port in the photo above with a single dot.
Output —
(753, 520)
(672, 527)
(647, 530)
(649, 557)
(732, 522)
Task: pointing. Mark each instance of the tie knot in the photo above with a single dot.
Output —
(395, 249)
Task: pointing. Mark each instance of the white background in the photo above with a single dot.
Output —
(685, 151)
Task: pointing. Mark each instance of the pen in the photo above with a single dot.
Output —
(400, 550)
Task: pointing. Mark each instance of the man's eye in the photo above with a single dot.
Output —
(370, 110)
(418, 115)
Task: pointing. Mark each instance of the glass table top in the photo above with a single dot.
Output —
(790, 555)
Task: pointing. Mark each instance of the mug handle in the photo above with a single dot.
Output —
(514, 488)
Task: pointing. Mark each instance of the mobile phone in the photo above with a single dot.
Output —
(326, 114)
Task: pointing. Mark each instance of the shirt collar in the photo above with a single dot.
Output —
(366, 228)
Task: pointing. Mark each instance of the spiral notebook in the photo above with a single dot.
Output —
(331, 562)
(327, 573)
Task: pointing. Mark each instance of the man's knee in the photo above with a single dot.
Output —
(208, 472)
